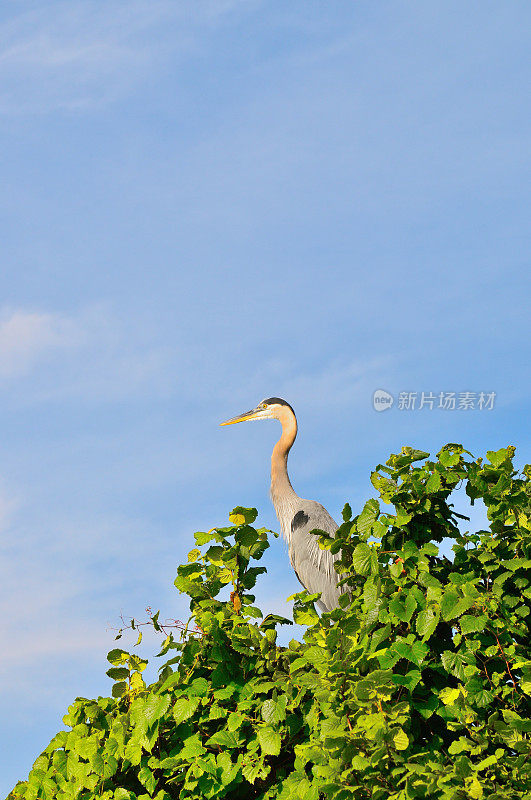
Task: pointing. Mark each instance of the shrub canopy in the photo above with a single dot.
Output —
(417, 687)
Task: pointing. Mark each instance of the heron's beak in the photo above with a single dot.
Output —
(254, 413)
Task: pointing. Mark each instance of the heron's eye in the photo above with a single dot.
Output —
(263, 405)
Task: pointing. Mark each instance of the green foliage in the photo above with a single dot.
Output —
(419, 686)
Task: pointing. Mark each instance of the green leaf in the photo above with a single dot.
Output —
(251, 771)
(137, 663)
(305, 616)
(516, 563)
(433, 484)
(403, 608)
(453, 605)
(269, 740)
(449, 695)
(171, 680)
(271, 620)
(274, 711)
(192, 747)
(217, 712)
(368, 516)
(453, 663)
(246, 536)
(97, 763)
(461, 745)
(155, 706)
(225, 739)
(415, 652)
(117, 657)
(119, 689)
(118, 673)
(427, 622)
(472, 624)
(147, 779)
(243, 516)
(235, 721)
(448, 459)
(497, 457)
(215, 554)
(199, 687)
(363, 559)
(86, 747)
(400, 740)
(202, 537)
(396, 569)
(314, 655)
(184, 708)
(410, 680)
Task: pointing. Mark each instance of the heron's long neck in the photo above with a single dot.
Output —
(282, 493)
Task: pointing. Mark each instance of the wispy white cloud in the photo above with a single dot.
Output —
(95, 355)
(71, 55)
(88, 354)
(27, 336)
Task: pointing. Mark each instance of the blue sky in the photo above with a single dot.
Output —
(208, 203)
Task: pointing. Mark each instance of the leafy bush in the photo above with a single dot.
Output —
(418, 687)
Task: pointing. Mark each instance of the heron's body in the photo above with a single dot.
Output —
(313, 566)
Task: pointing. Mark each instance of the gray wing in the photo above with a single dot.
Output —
(314, 567)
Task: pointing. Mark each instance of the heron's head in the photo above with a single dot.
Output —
(272, 408)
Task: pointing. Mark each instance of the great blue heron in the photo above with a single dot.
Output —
(313, 566)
